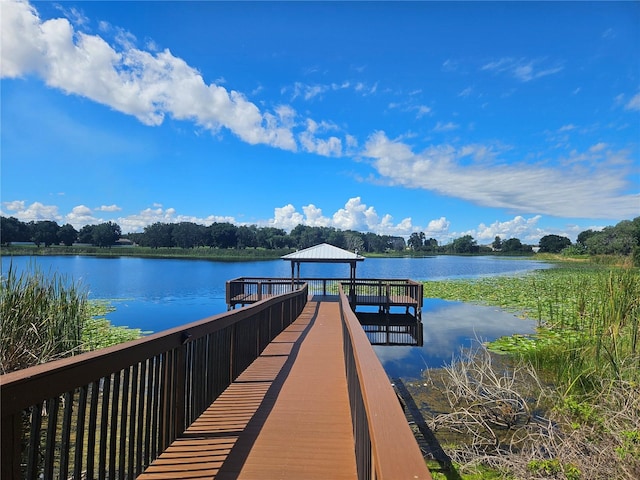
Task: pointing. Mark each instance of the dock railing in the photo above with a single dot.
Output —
(111, 412)
(384, 443)
(382, 292)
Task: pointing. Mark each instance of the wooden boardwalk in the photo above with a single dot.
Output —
(286, 417)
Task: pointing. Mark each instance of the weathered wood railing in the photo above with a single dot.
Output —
(109, 413)
(384, 444)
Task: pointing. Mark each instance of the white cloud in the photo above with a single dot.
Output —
(354, 216)
(422, 110)
(634, 103)
(445, 127)
(80, 216)
(329, 147)
(149, 216)
(567, 128)
(286, 218)
(132, 81)
(109, 208)
(437, 228)
(14, 206)
(33, 213)
(310, 92)
(598, 147)
(522, 69)
(592, 189)
(522, 228)
(314, 218)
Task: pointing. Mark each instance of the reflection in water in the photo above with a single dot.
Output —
(392, 328)
(449, 326)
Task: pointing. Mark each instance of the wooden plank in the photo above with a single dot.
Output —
(287, 416)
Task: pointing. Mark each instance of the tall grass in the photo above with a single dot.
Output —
(591, 329)
(42, 318)
(588, 318)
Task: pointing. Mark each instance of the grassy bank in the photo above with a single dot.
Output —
(565, 402)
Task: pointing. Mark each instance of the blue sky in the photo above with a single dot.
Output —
(518, 119)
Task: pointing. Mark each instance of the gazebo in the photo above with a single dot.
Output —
(323, 253)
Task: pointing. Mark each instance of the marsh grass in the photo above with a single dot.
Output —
(585, 367)
(588, 318)
(42, 318)
(48, 316)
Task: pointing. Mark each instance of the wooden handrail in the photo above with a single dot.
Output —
(385, 446)
(126, 403)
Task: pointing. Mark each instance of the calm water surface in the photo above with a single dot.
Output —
(156, 294)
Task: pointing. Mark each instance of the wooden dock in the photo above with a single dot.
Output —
(287, 416)
(286, 388)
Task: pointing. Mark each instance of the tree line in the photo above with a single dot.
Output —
(620, 239)
(192, 235)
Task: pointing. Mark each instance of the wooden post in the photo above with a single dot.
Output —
(11, 451)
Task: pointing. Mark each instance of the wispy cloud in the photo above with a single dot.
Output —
(308, 92)
(445, 127)
(593, 188)
(633, 103)
(522, 69)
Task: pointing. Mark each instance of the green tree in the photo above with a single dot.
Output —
(67, 234)
(512, 245)
(85, 235)
(354, 242)
(553, 243)
(416, 241)
(270, 237)
(398, 243)
(247, 236)
(497, 243)
(305, 236)
(44, 231)
(584, 236)
(188, 235)
(223, 235)
(431, 245)
(106, 234)
(465, 244)
(13, 230)
(158, 235)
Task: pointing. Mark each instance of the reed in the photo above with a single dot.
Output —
(42, 318)
(588, 316)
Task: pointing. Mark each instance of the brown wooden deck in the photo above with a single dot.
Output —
(287, 416)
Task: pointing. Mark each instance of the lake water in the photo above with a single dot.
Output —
(156, 294)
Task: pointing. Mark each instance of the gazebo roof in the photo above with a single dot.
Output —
(324, 253)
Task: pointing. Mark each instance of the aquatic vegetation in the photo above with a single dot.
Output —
(588, 317)
(42, 318)
(48, 316)
(576, 412)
